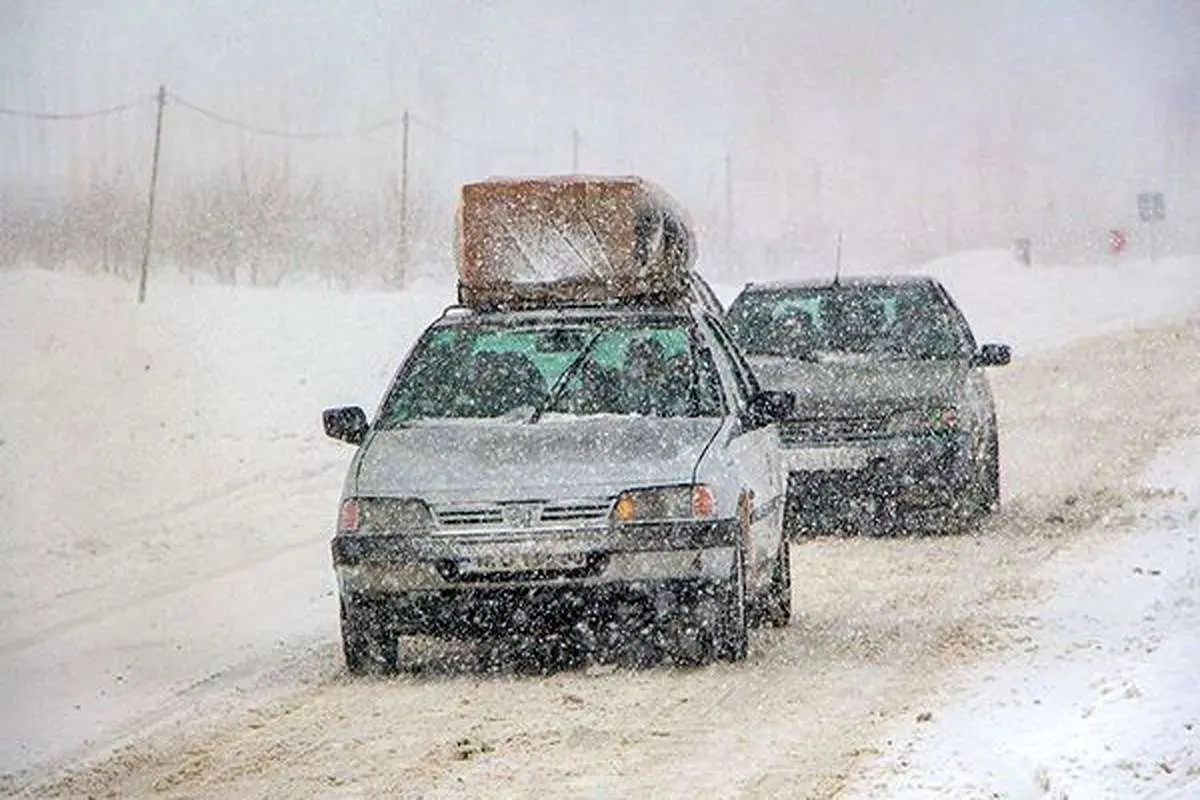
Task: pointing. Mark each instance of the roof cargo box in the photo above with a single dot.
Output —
(570, 240)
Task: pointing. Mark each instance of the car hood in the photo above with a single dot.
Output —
(552, 459)
(837, 385)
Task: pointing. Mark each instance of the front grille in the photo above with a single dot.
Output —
(519, 515)
(832, 429)
(582, 511)
(473, 517)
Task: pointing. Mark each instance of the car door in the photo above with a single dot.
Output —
(977, 412)
(769, 438)
(755, 454)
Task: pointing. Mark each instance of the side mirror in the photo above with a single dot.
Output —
(770, 406)
(347, 424)
(992, 355)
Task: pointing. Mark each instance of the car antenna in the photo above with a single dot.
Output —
(837, 269)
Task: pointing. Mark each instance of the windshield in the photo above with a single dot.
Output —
(896, 321)
(527, 373)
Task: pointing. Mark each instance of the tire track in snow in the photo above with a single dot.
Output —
(314, 479)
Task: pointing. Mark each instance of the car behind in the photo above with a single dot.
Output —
(895, 423)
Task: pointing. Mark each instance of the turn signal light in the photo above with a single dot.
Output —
(626, 508)
(704, 505)
(349, 516)
(665, 503)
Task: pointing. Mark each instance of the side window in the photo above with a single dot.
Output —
(731, 376)
(747, 382)
(949, 334)
(960, 321)
(708, 380)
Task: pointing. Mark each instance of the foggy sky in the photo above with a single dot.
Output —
(883, 115)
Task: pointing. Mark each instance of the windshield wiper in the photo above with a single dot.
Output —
(557, 389)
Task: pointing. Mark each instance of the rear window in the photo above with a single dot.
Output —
(897, 321)
(527, 373)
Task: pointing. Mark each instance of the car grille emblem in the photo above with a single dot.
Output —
(522, 515)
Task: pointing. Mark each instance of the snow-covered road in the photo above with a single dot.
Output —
(168, 497)
(1101, 698)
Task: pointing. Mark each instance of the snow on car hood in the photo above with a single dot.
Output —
(555, 458)
(862, 382)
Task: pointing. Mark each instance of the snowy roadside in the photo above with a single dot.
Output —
(1103, 699)
(1056, 305)
(166, 489)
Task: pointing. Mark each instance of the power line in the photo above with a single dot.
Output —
(41, 115)
(388, 122)
(442, 133)
(263, 130)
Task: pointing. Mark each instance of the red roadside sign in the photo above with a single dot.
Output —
(1117, 241)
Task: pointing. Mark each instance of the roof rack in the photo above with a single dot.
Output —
(456, 310)
(665, 302)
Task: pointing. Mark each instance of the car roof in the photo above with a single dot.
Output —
(848, 280)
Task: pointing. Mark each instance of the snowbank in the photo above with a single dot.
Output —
(167, 490)
(1104, 700)
(1040, 307)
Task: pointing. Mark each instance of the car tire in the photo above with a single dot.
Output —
(687, 643)
(733, 632)
(793, 521)
(368, 641)
(989, 490)
(984, 497)
(778, 607)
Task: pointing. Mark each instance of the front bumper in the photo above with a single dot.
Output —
(606, 613)
(426, 584)
(645, 552)
(876, 478)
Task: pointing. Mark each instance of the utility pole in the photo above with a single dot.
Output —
(158, 125)
(405, 123)
(575, 150)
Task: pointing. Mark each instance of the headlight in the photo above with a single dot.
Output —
(665, 503)
(383, 515)
(918, 420)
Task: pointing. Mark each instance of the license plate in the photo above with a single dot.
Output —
(525, 562)
(814, 459)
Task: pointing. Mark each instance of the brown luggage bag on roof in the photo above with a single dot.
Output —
(525, 242)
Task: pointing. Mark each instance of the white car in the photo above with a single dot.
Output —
(602, 469)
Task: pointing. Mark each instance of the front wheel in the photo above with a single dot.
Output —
(989, 495)
(779, 593)
(734, 631)
(984, 496)
(368, 641)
